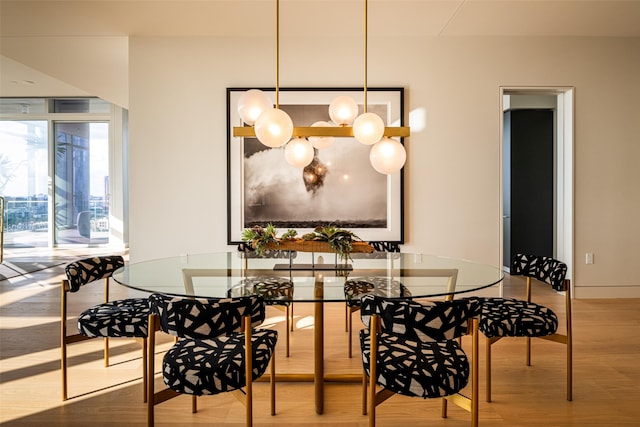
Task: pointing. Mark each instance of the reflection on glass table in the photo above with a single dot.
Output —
(317, 278)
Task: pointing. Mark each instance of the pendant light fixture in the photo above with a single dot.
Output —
(368, 128)
(274, 128)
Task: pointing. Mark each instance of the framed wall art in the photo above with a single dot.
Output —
(339, 187)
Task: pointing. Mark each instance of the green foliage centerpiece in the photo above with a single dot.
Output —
(260, 237)
(341, 241)
(324, 238)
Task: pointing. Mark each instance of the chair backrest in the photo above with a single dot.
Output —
(376, 285)
(381, 249)
(542, 268)
(88, 270)
(270, 288)
(385, 246)
(424, 321)
(205, 318)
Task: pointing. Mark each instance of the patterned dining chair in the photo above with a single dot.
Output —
(218, 348)
(510, 317)
(111, 319)
(356, 287)
(276, 290)
(413, 349)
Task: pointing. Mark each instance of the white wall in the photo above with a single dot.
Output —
(452, 182)
(176, 100)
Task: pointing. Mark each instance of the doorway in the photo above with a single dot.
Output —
(542, 220)
(528, 194)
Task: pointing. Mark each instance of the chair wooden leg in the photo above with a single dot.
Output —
(487, 357)
(569, 341)
(63, 340)
(272, 383)
(106, 339)
(349, 326)
(106, 352)
(286, 315)
(248, 353)
(365, 380)
(194, 404)
(63, 368)
(373, 374)
(372, 402)
(444, 408)
(569, 372)
(151, 346)
(145, 377)
(474, 373)
(346, 317)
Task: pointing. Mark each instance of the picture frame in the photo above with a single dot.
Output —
(263, 188)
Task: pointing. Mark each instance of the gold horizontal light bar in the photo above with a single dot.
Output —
(339, 132)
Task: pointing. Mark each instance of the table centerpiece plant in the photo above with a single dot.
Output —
(340, 241)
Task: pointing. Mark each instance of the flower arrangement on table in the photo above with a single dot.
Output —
(324, 238)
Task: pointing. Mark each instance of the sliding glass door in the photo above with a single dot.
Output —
(59, 160)
(23, 182)
(81, 183)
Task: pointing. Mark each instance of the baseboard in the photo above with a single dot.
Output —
(606, 292)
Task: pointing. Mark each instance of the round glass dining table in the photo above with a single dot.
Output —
(317, 278)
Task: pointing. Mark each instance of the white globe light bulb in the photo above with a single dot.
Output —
(387, 156)
(321, 142)
(368, 128)
(274, 128)
(251, 104)
(298, 152)
(343, 110)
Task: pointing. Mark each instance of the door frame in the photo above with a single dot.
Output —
(564, 167)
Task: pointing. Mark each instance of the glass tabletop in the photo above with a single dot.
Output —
(315, 276)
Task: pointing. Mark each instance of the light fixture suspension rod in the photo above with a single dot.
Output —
(277, 53)
(321, 131)
(365, 54)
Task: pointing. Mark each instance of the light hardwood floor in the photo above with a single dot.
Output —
(606, 372)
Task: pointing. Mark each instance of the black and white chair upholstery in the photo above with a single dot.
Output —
(276, 290)
(411, 348)
(217, 349)
(112, 319)
(510, 317)
(356, 287)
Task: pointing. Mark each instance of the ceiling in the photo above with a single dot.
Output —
(20, 18)
(34, 19)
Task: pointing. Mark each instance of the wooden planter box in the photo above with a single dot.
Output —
(315, 246)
